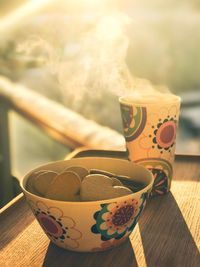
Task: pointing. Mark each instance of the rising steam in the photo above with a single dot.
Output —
(91, 68)
(93, 63)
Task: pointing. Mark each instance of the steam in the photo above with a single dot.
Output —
(91, 64)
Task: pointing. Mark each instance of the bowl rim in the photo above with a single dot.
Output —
(85, 203)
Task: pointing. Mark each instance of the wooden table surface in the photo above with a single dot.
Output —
(168, 233)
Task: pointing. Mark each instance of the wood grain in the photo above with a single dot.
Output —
(166, 235)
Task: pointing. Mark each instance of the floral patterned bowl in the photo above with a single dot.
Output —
(92, 225)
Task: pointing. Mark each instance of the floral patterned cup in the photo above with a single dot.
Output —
(94, 225)
(150, 125)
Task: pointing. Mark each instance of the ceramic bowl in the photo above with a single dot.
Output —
(92, 225)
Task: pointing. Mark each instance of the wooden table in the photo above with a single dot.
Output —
(168, 233)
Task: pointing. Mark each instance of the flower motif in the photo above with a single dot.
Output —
(59, 228)
(160, 185)
(134, 120)
(159, 136)
(118, 219)
(162, 172)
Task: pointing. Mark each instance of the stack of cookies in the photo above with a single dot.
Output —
(76, 183)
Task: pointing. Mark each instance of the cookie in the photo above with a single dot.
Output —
(97, 171)
(100, 187)
(116, 182)
(130, 183)
(42, 181)
(81, 171)
(65, 186)
(40, 171)
(29, 185)
(125, 180)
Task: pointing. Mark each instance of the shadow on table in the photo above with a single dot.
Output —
(122, 256)
(166, 239)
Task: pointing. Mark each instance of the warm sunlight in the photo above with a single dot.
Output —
(8, 21)
(99, 133)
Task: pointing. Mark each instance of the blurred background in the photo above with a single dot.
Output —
(49, 46)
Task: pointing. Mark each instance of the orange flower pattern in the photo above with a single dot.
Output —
(60, 228)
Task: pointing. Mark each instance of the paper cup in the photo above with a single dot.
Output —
(150, 128)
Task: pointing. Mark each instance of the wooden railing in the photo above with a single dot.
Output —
(62, 124)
